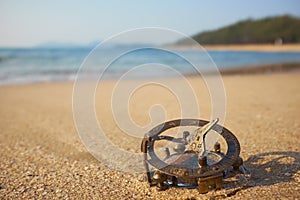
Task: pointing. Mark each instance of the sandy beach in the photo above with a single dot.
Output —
(245, 47)
(42, 156)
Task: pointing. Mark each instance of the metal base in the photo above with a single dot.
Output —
(206, 183)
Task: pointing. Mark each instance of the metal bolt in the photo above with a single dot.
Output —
(217, 147)
(202, 161)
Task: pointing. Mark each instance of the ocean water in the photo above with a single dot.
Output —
(21, 66)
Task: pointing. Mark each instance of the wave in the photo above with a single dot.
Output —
(20, 66)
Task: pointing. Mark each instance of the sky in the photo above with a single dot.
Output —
(32, 22)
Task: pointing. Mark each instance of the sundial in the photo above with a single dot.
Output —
(186, 160)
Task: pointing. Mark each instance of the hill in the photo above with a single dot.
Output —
(280, 29)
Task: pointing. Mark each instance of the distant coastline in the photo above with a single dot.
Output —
(263, 69)
(269, 30)
(241, 47)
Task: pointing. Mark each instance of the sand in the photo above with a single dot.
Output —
(42, 156)
(247, 47)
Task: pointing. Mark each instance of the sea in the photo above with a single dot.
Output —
(32, 65)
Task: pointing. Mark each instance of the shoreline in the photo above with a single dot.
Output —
(241, 47)
(228, 71)
(262, 69)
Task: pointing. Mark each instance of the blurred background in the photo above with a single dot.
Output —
(43, 41)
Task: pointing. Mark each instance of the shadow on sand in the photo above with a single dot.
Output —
(273, 167)
(266, 169)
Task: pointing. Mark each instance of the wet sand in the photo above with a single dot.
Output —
(42, 156)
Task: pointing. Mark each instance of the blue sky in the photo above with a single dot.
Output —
(31, 22)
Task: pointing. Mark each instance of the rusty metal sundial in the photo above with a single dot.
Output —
(187, 161)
